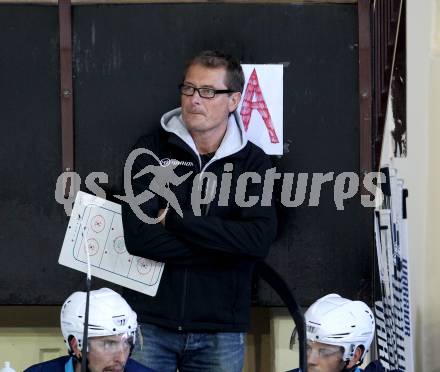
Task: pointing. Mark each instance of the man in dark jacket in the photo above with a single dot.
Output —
(215, 222)
(111, 335)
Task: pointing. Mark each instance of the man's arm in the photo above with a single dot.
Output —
(249, 236)
(153, 241)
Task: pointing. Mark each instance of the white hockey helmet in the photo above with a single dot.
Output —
(335, 320)
(109, 314)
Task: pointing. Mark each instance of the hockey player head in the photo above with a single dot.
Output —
(111, 331)
(339, 334)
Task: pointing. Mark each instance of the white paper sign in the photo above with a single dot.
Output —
(96, 223)
(261, 106)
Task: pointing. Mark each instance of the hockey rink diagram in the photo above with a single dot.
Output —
(95, 226)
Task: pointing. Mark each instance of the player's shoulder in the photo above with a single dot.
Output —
(374, 366)
(55, 365)
(255, 149)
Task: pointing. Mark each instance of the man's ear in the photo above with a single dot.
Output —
(356, 357)
(73, 343)
(234, 100)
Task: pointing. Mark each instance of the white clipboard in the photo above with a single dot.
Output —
(96, 223)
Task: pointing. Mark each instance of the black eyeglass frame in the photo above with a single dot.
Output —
(216, 91)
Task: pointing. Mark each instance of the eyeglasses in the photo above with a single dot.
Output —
(188, 90)
(323, 352)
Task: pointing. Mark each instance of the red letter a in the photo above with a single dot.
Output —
(253, 88)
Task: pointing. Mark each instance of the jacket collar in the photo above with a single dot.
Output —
(234, 140)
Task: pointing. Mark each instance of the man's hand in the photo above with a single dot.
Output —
(161, 214)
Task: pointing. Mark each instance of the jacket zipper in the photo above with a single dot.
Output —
(185, 278)
(185, 281)
(182, 308)
(206, 207)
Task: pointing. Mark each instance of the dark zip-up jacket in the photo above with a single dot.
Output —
(208, 258)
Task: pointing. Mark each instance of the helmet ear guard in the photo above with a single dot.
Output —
(109, 314)
(338, 321)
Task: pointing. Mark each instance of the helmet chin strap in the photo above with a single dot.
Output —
(344, 367)
(348, 369)
(79, 359)
(351, 369)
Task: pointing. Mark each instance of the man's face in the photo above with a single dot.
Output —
(108, 353)
(323, 357)
(207, 115)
